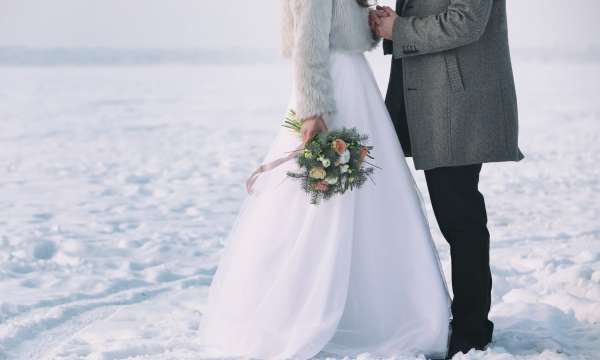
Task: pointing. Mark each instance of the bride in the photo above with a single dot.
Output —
(358, 273)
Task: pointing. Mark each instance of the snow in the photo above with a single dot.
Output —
(118, 186)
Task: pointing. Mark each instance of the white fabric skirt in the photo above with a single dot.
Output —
(357, 274)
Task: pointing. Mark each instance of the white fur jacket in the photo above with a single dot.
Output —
(311, 29)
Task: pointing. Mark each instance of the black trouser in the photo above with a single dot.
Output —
(460, 211)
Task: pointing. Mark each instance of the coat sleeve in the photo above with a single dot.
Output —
(314, 93)
(388, 47)
(463, 22)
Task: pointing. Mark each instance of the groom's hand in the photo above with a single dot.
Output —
(311, 127)
(385, 26)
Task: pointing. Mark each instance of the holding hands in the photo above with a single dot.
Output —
(382, 21)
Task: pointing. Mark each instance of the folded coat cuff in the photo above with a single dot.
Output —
(401, 45)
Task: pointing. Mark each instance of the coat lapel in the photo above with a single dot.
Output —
(399, 5)
(403, 6)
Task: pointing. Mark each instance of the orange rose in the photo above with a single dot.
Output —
(339, 146)
(364, 152)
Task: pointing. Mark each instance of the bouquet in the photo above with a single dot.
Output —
(332, 162)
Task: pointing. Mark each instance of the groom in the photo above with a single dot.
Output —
(452, 99)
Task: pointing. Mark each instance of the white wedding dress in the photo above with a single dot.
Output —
(357, 274)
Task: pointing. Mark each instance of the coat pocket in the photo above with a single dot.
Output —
(453, 69)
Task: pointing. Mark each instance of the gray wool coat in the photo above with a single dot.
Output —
(452, 75)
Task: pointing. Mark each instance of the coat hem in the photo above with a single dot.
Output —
(420, 165)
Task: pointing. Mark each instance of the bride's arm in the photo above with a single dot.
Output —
(314, 93)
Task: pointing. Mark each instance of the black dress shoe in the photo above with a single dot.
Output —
(459, 344)
(466, 338)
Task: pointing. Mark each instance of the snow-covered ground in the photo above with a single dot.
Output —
(118, 186)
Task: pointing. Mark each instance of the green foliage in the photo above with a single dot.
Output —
(292, 122)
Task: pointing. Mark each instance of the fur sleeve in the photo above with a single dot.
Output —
(314, 93)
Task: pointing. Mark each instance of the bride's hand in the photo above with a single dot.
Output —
(312, 127)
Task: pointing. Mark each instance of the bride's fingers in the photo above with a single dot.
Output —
(374, 19)
(377, 31)
(307, 136)
(389, 11)
(381, 12)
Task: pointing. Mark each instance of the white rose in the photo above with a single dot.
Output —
(326, 162)
(345, 157)
(332, 180)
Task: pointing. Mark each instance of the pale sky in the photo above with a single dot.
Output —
(241, 23)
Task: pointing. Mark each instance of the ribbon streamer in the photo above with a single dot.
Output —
(270, 166)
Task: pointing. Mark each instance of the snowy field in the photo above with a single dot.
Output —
(118, 186)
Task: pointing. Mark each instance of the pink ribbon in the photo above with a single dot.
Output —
(270, 166)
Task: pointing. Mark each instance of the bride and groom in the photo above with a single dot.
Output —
(360, 273)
